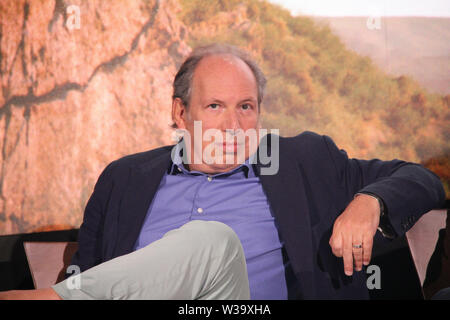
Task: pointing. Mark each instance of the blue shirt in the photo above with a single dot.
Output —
(235, 198)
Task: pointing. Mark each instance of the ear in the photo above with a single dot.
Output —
(179, 113)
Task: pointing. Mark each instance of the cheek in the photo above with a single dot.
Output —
(205, 125)
(250, 122)
(210, 123)
(208, 120)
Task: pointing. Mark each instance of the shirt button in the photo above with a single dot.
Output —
(200, 210)
(209, 178)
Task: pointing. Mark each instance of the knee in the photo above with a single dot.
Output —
(220, 232)
(217, 234)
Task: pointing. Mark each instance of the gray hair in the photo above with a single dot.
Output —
(183, 79)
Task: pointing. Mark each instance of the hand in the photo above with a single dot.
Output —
(356, 226)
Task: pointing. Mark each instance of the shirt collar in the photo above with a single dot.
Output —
(177, 165)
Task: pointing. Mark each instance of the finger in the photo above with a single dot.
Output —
(358, 252)
(347, 254)
(368, 245)
(336, 245)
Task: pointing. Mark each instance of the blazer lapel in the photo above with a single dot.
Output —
(286, 194)
(143, 184)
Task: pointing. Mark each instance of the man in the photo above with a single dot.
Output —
(306, 229)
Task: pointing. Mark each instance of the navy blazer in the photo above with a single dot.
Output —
(314, 184)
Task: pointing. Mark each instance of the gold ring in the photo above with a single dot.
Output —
(357, 246)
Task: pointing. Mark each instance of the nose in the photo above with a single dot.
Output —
(231, 121)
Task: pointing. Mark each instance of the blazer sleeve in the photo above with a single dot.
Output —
(408, 190)
(89, 251)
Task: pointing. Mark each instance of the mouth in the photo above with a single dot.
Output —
(230, 147)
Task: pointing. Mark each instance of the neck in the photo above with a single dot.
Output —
(211, 169)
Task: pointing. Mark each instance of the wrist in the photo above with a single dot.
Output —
(374, 202)
(385, 227)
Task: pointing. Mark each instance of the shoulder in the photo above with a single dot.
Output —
(141, 159)
(307, 143)
(305, 137)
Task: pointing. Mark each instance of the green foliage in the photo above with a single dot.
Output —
(315, 83)
(200, 10)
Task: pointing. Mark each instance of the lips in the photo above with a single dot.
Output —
(231, 147)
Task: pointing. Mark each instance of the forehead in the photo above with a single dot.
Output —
(223, 76)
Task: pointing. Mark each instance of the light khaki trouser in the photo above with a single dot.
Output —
(200, 260)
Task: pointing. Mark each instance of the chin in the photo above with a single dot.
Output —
(224, 167)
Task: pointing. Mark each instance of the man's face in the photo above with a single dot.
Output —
(224, 96)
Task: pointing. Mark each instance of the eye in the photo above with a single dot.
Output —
(213, 106)
(246, 106)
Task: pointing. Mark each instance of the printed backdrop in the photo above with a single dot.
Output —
(86, 82)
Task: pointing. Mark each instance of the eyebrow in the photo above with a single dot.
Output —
(250, 99)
